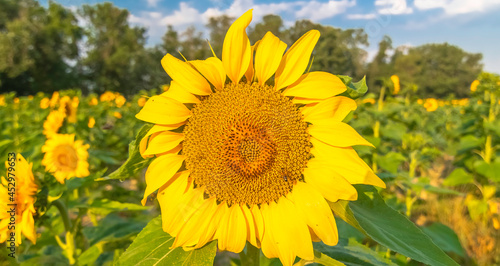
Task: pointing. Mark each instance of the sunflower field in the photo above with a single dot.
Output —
(252, 158)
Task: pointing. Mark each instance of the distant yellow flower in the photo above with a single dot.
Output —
(473, 86)
(25, 191)
(54, 100)
(142, 101)
(30, 97)
(370, 101)
(93, 101)
(117, 115)
(53, 122)
(165, 87)
(107, 97)
(65, 158)
(431, 104)
(16, 100)
(395, 81)
(91, 122)
(420, 101)
(69, 107)
(2, 100)
(120, 101)
(479, 102)
(247, 150)
(44, 103)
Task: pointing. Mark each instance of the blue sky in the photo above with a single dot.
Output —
(474, 25)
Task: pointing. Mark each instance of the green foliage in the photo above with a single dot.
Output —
(152, 246)
(393, 230)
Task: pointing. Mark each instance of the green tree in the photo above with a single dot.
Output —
(272, 23)
(115, 50)
(381, 66)
(438, 69)
(193, 46)
(218, 27)
(38, 47)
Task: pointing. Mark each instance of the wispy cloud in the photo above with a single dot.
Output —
(317, 10)
(393, 7)
(457, 7)
(362, 16)
(153, 3)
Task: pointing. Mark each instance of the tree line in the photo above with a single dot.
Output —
(44, 49)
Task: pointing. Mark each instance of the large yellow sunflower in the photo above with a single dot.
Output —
(25, 189)
(65, 157)
(249, 162)
(53, 123)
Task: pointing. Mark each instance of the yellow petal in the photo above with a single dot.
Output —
(337, 134)
(213, 70)
(259, 222)
(177, 92)
(316, 85)
(251, 226)
(190, 233)
(236, 48)
(317, 213)
(346, 162)
(269, 247)
(170, 195)
(250, 70)
(296, 59)
(185, 75)
(233, 235)
(292, 237)
(268, 57)
(161, 170)
(329, 183)
(155, 129)
(189, 203)
(211, 232)
(163, 110)
(163, 142)
(336, 108)
(300, 100)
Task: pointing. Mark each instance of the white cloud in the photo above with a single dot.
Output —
(456, 7)
(152, 3)
(317, 11)
(393, 7)
(362, 16)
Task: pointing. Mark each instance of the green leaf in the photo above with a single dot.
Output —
(152, 247)
(90, 255)
(351, 253)
(458, 177)
(468, 142)
(354, 89)
(135, 162)
(445, 238)
(326, 260)
(391, 161)
(489, 170)
(393, 230)
(342, 210)
(394, 131)
(105, 206)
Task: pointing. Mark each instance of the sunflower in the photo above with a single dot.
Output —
(120, 101)
(93, 101)
(395, 81)
(431, 105)
(473, 85)
(25, 189)
(54, 99)
(91, 122)
(141, 102)
(107, 96)
(44, 103)
(65, 157)
(53, 122)
(2, 100)
(256, 159)
(69, 107)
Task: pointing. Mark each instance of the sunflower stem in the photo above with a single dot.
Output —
(69, 247)
(252, 257)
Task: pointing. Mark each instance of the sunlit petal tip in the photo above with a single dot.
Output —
(164, 111)
(338, 134)
(236, 48)
(268, 57)
(316, 85)
(296, 60)
(186, 75)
